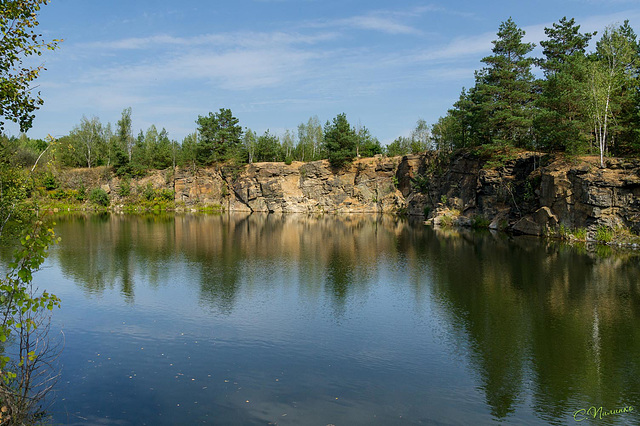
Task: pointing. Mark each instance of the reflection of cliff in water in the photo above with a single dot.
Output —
(338, 255)
(542, 319)
(535, 320)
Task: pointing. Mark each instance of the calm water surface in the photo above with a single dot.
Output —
(360, 320)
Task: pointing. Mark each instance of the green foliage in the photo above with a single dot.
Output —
(267, 148)
(604, 234)
(161, 199)
(148, 193)
(612, 86)
(22, 309)
(580, 234)
(310, 140)
(584, 102)
(58, 194)
(99, 196)
(124, 189)
(49, 182)
(19, 41)
(340, 141)
(421, 183)
(496, 156)
(366, 144)
(480, 222)
(219, 136)
(504, 89)
(401, 146)
(124, 135)
(81, 193)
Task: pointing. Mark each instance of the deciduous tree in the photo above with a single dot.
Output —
(18, 41)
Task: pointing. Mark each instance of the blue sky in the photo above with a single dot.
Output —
(275, 63)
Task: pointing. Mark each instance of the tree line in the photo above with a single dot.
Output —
(585, 102)
(219, 138)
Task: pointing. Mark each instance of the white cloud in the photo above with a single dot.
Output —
(378, 23)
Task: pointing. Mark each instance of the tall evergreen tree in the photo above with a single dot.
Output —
(219, 136)
(504, 88)
(560, 119)
(340, 141)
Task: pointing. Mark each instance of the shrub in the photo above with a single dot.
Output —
(165, 195)
(124, 189)
(420, 183)
(480, 222)
(148, 193)
(58, 194)
(99, 196)
(82, 192)
(604, 234)
(580, 234)
(50, 182)
(563, 232)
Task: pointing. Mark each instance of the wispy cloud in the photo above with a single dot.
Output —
(378, 22)
(235, 40)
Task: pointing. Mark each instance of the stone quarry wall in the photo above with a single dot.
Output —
(528, 193)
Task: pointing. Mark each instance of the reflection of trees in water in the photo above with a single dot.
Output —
(225, 253)
(543, 312)
(110, 251)
(539, 319)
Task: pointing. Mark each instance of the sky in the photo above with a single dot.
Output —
(276, 63)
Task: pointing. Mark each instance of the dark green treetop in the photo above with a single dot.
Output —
(564, 41)
(340, 140)
(220, 136)
(505, 88)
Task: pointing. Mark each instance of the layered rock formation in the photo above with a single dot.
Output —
(367, 186)
(527, 192)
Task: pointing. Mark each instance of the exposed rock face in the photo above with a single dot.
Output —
(533, 199)
(519, 193)
(365, 187)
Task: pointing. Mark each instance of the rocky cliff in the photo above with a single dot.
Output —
(525, 192)
(364, 187)
(528, 193)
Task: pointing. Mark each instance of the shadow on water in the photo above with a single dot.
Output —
(540, 324)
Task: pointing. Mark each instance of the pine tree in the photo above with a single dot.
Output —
(219, 136)
(340, 141)
(504, 89)
(560, 120)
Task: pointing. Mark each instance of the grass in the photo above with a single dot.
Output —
(480, 222)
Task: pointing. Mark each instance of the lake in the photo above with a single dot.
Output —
(242, 319)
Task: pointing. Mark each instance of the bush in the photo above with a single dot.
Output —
(82, 192)
(125, 187)
(480, 222)
(58, 194)
(604, 234)
(166, 195)
(50, 182)
(99, 196)
(148, 193)
(580, 234)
